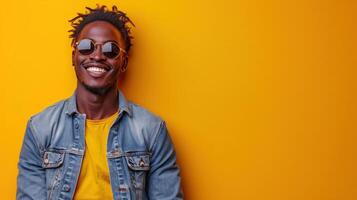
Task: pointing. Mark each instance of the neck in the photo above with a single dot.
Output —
(97, 106)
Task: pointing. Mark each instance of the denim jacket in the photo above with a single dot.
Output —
(140, 155)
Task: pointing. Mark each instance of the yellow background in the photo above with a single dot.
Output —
(259, 95)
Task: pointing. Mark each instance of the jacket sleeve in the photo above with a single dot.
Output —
(31, 181)
(163, 181)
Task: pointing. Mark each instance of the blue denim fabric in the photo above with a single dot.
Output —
(140, 154)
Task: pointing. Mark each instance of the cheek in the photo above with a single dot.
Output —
(116, 65)
(78, 59)
(116, 73)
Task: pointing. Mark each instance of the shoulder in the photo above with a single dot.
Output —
(143, 115)
(50, 114)
(145, 124)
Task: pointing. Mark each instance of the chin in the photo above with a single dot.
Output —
(97, 90)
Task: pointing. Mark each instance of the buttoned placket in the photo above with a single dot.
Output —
(76, 155)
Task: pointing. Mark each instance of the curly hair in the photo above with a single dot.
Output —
(101, 13)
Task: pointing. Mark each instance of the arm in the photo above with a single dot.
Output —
(164, 180)
(31, 181)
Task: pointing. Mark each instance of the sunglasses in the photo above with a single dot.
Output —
(110, 49)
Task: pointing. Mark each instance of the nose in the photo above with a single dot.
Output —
(97, 53)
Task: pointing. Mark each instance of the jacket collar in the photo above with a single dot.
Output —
(71, 105)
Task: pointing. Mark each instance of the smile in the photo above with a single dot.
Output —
(96, 69)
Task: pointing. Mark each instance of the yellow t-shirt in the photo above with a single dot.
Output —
(93, 182)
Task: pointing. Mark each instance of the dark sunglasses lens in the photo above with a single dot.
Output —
(85, 47)
(110, 50)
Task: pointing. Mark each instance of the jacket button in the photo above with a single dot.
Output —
(76, 126)
(66, 188)
(141, 163)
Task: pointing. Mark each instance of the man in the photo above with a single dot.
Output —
(97, 145)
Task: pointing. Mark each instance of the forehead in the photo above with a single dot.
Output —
(101, 31)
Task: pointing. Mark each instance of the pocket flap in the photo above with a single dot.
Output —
(52, 159)
(138, 162)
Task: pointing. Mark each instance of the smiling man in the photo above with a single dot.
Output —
(96, 145)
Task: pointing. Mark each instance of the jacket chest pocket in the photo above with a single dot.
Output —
(139, 165)
(52, 163)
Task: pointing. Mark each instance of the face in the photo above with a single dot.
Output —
(97, 72)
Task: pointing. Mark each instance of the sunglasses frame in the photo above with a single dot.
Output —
(121, 50)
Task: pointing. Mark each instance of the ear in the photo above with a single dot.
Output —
(124, 65)
(72, 57)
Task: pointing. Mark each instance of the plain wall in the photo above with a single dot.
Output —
(259, 95)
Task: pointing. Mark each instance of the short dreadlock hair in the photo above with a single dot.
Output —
(101, 13)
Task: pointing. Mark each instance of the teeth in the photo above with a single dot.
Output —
(95, 69)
